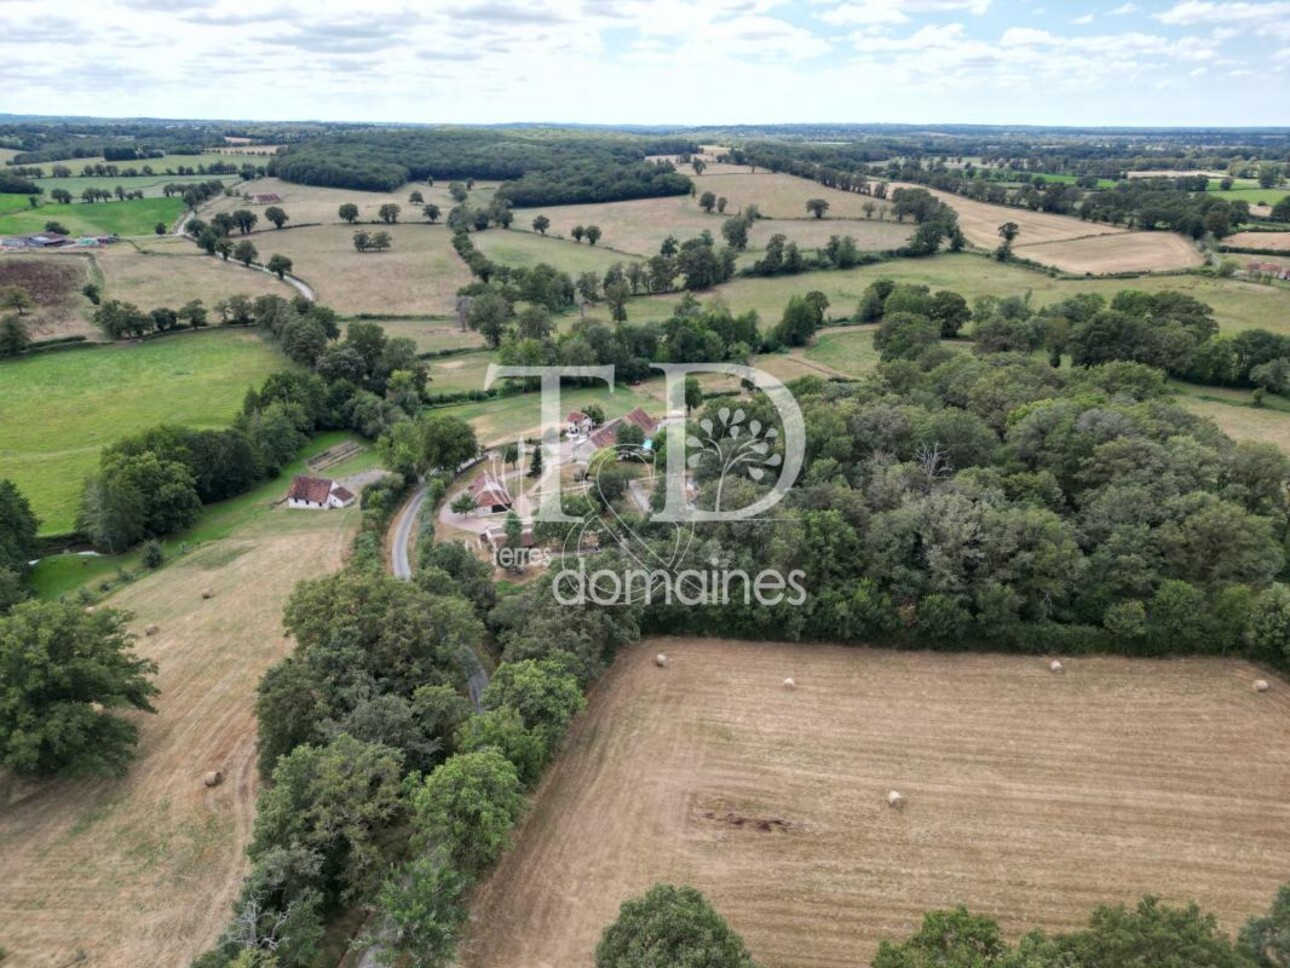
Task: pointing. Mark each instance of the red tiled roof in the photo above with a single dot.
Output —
(577, 416)
(342, 493)
(489, 492)
(315, 490)
(643, 420)
(605, 436)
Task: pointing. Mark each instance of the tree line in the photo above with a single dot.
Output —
(671, 925)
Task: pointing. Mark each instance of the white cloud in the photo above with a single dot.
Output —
(898, 11)
(1124, 9)
(1081, 21)
(1191, 12)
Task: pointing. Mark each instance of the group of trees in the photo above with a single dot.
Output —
(1168, 330)
(537, 169)
(1143, 529)
(18, 547)
(694, 333)
(120, 319)
(1151, 933)
(670, 926)
(386, 788)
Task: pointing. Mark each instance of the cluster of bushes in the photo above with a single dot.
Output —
(12, 184)
(783, 257)
(120, 319)
(1168, 330)
(196, 193)
(540, 285)
(693, 334)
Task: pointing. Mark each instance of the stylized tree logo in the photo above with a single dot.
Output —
(736, 448)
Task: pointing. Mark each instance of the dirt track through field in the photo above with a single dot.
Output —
(142, 872)
(1030, 797)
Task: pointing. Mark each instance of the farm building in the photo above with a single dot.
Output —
(607, 434)
(1272, 269)
(40, 240)
(316, 493)
(266, 198)
(643, 420)
(491, 494)
(577, 424)
(495, 538)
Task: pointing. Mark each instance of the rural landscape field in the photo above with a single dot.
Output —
(687, 533)
(709, 772)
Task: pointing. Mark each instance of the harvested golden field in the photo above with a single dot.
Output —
(777, 195)
(871, 235)
(170, 271)
(1122, 252)
(55, 287)
(142, 871)
(637, 227)
(1086, 247)
(980, 222)
(527, 249)
(1234, 414)
(1277, 241)
(309, 204)
(418, 275)
(432, 335)
(1029, 797)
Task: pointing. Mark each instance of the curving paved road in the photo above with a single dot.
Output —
(401, 567)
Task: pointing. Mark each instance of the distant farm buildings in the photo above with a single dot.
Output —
(266, 198)
(316, 493)
(54, 240)
(39, 240)
(1267, 269)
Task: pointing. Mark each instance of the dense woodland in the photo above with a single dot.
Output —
(540, 168)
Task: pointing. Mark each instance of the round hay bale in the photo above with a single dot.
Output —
(213, 779)
(660, 660)
(150, 630)
(895, 801)
(1261, 685)
(90, 609)
(790, 684)
(1056, 667)
(208, 593)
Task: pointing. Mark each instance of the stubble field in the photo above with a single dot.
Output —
(418, 275)
(1030, 797)
(142, 871)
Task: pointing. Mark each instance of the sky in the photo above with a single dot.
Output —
(689, 62)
